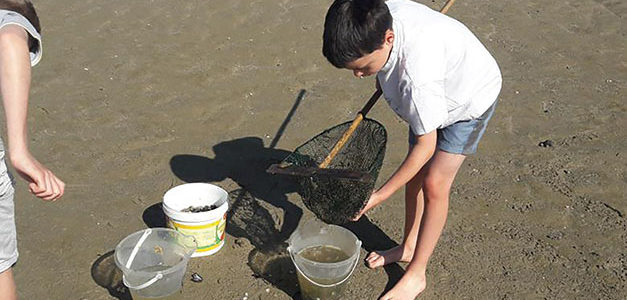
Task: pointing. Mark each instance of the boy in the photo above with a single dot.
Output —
(438, 77)
(20, 47)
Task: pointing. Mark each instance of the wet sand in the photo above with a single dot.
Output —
(134, 97)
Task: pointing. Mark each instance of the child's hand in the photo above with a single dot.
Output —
(373, 201)
(42, 182)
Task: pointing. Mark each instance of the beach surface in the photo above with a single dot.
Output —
(135, 97)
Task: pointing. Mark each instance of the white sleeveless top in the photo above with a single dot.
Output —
(8, 17)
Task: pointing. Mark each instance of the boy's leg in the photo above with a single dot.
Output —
(7, 285)
(414, 204)
(438, 180)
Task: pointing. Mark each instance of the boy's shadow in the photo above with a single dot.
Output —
(253, 208)
(244, 160)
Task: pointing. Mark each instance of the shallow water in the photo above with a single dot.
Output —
(324, 254)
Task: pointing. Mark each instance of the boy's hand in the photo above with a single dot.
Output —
(373, 201)
(42, 182)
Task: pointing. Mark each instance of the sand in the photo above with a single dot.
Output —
(134, 97)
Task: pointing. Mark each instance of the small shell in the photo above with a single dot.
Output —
(196, 277)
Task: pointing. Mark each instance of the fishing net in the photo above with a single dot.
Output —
(335, 200)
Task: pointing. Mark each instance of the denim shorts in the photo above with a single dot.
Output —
(461, 137)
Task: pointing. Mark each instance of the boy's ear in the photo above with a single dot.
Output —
(389, 37)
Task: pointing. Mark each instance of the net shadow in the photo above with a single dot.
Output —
(269, 259)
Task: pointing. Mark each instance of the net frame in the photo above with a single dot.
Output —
(336, 200)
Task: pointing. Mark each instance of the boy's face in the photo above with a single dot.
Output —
(372, 63)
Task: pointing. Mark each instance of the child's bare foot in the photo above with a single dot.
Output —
(408, 287)
(396, 254)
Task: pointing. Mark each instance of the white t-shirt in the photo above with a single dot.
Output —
(438, 72)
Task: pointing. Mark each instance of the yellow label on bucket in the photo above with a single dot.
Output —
(208, 236)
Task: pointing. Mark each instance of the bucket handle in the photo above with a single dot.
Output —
(131, 257)
(136, 249)
(145, 284)
(289, 249)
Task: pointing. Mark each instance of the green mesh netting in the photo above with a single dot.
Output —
(336, 200)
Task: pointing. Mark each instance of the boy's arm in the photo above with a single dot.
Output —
(417, 157)
(14, 87)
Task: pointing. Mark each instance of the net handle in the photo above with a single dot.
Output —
(448, 5)
(347, 134)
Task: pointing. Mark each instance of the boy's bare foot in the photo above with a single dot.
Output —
(407, 288)
(381, 258)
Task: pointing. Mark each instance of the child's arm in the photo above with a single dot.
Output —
(14, 87)
(417, 157)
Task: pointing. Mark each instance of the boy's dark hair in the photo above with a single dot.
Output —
(26, 9)
(354, 28)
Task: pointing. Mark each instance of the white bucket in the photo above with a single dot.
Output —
(206, 227)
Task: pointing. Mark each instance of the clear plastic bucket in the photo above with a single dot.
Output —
(323, 280)
(154, 261)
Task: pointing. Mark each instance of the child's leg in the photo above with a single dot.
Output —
(7, 285)
(414, 204)
(437, 183)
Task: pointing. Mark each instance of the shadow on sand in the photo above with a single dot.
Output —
(244, 161)
(107, 275)
(252, 207)
(374, 239)
(154, 216)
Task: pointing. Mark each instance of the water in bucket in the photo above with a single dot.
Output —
(154, 261)
(325, 256)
